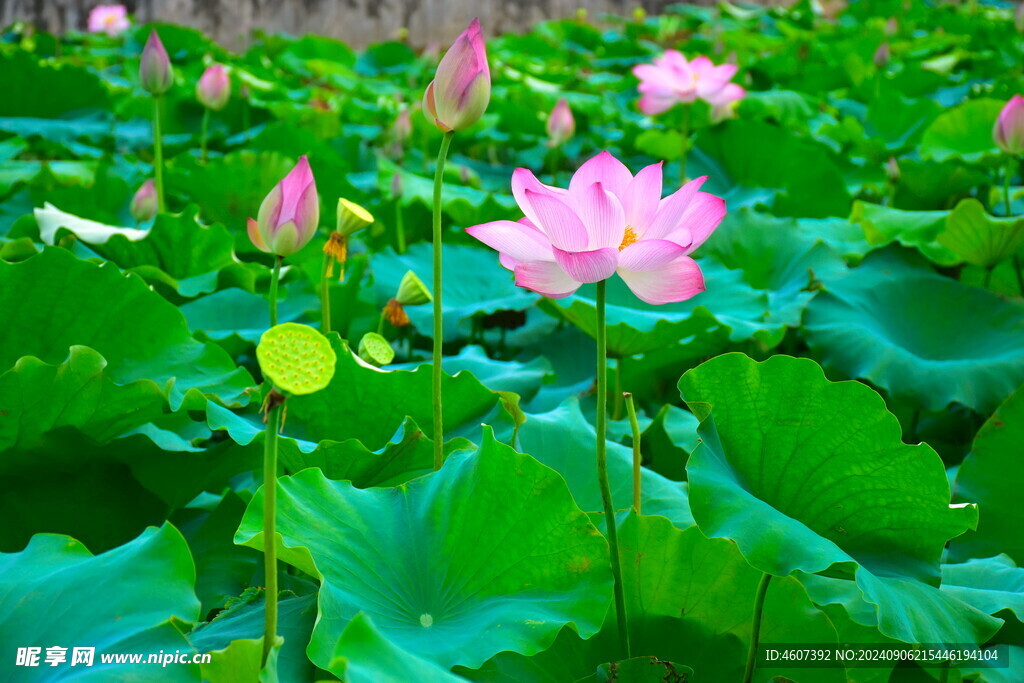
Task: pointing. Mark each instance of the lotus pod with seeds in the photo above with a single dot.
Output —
(296, 358)
(375, 349)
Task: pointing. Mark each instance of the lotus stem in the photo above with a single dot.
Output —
(617, 406)
(602, 469)
(755, 633)
(269, 528)
(203, 132)
(275, 278)
(635, 425)
(442, 155)
(325, 295)
(158, 157)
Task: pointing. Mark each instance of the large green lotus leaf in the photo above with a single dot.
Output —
(992, 585)
(365, 403)
(520, 378)
(242, 622)
(918, 335)
(930, 185)
(965, 131)
(643, 670)
(235, 312)
(56, 593)
(688, 598)
(465, 205)
(60, 301)
(917, 229)
(492, 538)
(365, 655)
(409, 454)
(808, 475)
(1012, 674)
(760, 155)
(729, 305)
(564, 441)
(668, 441)
(473, 283)
(45, 90)
(978, 238)
(992, 476)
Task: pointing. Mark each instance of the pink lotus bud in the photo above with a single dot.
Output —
(561, 124)
(1009, 129)
(396, 186)
(214, 88)
(401, 129)
(461, 89)
(290, 214)
(892, 170)
(892, 26)
(155, 68)
(882, 55)
(143, 206)
(109, 19)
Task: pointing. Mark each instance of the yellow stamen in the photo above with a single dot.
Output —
(628, 238)
(395, 314)
(337, 247)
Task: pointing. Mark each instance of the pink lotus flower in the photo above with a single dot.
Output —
(144, 204)
(109, 19)
(608, 221)
(155, 68)
(671, 80)
(461, 89)
(561, 124)
(1009, 129)
(290, 214)
(214, 88)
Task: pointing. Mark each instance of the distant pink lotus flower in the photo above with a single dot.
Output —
(109, 19)
(672, 80)
(607, 222)
(214, 87)
(290, 214)
(1008, 132)
(461, 89)
(561, 125)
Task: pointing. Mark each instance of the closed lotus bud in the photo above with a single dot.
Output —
(155, 71)
(352, 217)
(882, 55)
(401, 129)
(1009, 129)
(143, 206)
(412, 291)
(375, 349)
(561, 124)
(461, 89)
(214, 88)
(396, 185)
(289, 215)
(892, 170)
(892, 26)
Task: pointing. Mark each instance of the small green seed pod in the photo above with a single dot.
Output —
(375, 349)
(296, 358)
(412, 291)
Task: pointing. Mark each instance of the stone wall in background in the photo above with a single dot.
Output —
(357, 22)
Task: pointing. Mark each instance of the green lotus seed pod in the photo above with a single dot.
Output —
(375, 349)
(296, 358)
(412, 291)
(352, 217)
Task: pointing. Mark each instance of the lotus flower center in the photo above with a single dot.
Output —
(628, 238)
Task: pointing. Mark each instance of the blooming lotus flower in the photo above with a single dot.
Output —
(214, 88)
(1009, 129)
(109, 19)
(155, 71)
(461, 89)
(561, 124)
(143, 206)
(671, 80)
(608, 221)
(290, 214)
